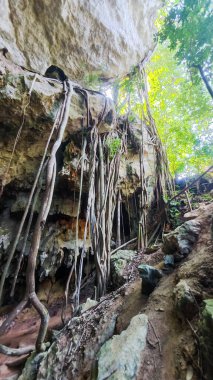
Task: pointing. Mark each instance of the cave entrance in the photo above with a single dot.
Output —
(124, 224)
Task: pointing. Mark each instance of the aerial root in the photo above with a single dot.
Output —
(30, 295)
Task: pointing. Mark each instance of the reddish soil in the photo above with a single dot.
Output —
(23, 332)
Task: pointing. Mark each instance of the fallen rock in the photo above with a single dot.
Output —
(150, 277)
(185, 301)
(191, 214)
(169, 261)
(206, 338)
(121, 356)
(88, 304)
(119, 262)
(182, 238)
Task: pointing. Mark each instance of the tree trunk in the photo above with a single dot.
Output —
(205, 80)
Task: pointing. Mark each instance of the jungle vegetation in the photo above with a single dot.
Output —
(179, 86)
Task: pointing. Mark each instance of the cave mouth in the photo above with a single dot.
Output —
(124, 223)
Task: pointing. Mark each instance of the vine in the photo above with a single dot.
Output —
(30, 294)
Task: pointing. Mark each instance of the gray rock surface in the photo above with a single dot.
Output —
(185, 301)
(150, 277)
(40, 109)
(78, 35)
(121, 356)
(181, 240)
(88, 304)
(119, 262)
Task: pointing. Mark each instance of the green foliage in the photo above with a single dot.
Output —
(92, 80)
(181, 109)
(188, 27)
(174, 214)
(182, 112)
(113, 144)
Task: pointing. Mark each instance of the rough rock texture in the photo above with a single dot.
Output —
(181, 240)
(171, 350)
(150, 277)
(185, 301)
(119, 261)
(121, 356)
(36, 114)
(78, 36)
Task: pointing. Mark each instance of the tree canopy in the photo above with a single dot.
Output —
(182, 111)
(188, 27)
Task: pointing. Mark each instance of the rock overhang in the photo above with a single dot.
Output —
(79, 36)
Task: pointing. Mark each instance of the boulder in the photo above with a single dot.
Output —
(181, 239)
(185, 301)
(88, 304)
(191, 214)
(121, 356)
(169, 261)
(119, 261)
(150, 277)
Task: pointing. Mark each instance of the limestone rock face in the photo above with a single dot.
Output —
(29, 104)
(36, 114)
(182, 238)
(107, 36)
(119, 261)
(120, 357)
(185, 301)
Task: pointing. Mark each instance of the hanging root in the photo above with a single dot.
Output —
(30, 295)
(16, 139)
(27, 232)
(16, 351)
(11, 252)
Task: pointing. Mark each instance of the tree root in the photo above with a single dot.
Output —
(15, 243)
(30, 294)
(16, 351)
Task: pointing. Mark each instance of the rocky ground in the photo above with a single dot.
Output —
(130, 335)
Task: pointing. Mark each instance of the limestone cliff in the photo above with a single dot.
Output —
(31, 102)
(80, 36)
(63, 227)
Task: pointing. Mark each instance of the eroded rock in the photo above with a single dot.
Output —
(150, 277)
(185, 301)
(88, 304)
(78, 36)
(119, 261)
(39, 110)
(121, 356)
(182, 238)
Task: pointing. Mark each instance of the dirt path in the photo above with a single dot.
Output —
(171, 351)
